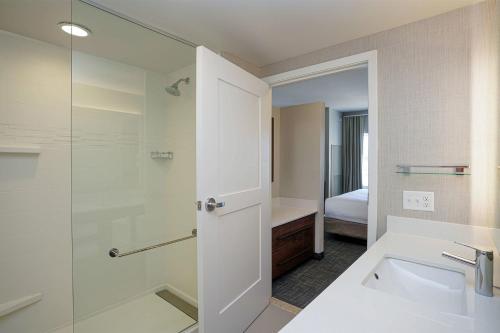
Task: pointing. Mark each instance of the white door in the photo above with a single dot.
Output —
(233, 117)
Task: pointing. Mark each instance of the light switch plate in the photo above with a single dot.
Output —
(417, 200)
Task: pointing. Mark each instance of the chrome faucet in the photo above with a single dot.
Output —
(484, 268)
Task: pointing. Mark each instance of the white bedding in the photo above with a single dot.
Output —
(351, 206)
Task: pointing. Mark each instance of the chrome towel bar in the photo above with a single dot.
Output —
(115, 253)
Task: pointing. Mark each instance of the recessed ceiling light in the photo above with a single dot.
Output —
(74, 29)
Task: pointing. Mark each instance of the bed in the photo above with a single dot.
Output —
(347, 214)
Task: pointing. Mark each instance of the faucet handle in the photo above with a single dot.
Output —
(480, 250)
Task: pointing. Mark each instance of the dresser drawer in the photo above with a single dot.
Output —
(284, 260)
(282, 234)
(293, 243)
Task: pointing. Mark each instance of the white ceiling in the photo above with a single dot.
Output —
(111, 37)
(344, 91)
(267, 31)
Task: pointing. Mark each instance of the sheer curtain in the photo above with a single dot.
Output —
(353, 129)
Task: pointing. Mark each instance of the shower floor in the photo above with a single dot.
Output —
(148, 314)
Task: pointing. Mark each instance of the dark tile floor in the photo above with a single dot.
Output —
(301, 285)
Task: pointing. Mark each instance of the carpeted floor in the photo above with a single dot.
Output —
(301, 285)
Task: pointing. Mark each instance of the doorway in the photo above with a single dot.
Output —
(344, 92)
(368, 59)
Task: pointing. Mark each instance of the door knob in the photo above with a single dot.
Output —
(211, 204)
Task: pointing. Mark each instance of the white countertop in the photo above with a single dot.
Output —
(347, 306)
(285, 210)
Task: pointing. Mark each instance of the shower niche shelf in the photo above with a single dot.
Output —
(452, 170)
(162, 155)
(33, 150)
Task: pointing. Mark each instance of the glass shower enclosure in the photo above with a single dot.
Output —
(132, 177)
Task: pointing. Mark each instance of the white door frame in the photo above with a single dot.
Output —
(362, 59)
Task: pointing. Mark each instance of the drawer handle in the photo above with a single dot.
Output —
(293, 257)
(291, 233)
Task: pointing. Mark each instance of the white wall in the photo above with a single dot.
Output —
(436, 94)
(111, 200)
(276, 183)
(335, 136)
(35, 215)
(181, 259)
(335, 127)
(302, 140)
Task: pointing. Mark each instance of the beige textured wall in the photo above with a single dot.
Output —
(302, 132)
(246, 65)
(431, 75)
(302, 157)
(497, 218)
(484, 115)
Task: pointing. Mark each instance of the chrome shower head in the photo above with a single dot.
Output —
(174, 88)
(174, 91)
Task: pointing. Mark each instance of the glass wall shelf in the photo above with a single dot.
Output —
(454, 170)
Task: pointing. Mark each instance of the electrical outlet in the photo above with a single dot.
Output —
(417, 200)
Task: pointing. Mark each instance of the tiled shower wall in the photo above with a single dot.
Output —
(35, 192)
(121, 197)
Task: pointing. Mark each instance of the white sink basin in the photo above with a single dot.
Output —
(437, 288)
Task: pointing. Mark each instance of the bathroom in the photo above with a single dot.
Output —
(136, 165)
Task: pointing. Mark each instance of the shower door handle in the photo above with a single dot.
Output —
(211, 204)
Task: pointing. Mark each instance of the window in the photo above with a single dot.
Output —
(364, 162)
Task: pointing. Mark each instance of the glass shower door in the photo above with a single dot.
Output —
(133, 177)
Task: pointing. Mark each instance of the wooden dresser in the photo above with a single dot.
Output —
(293, 243)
